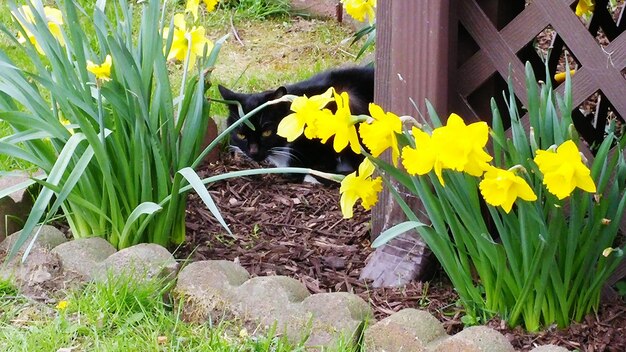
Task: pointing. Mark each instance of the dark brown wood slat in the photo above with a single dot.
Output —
(617, 52)
(476, 71)
(519, 32)
(583, 86)
(496, 49)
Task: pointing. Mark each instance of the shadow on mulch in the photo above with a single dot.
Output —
(297, 230)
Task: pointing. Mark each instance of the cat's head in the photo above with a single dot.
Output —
(262, 142)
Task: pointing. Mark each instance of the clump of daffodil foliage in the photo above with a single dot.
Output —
(98, 115)
(555, 216)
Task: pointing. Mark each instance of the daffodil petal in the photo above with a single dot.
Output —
(290, 127)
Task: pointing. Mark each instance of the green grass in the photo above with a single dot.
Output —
(256, 9)
(120, 316)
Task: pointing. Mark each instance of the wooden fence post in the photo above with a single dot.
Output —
(413, 56)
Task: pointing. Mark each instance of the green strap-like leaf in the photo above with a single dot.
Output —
(195, 181)
(395, 231)
(42, 201)
(19, 153)
(145, 208)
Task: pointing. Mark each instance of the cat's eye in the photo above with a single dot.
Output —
(241, 136)
(267, 133)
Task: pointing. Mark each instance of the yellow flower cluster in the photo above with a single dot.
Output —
(193, 5)
(54, 18)
(360, 9)
(360, 185)
(187, 43)
(455, 146)
(311, 117)
(502, 187)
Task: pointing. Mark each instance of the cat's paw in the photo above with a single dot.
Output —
(312, 180)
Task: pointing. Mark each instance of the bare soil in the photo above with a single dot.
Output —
(293, 229)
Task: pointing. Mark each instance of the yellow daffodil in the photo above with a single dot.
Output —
(341, 126)
(192, 6)
(463, 146)
(564, 170)
(54, 18)
(501, 188)
(305, 112)
(62, 305)
(424, 157)
(102, 71)
(359, 9)
(454, 146)
(560, 77)
(184, 39)
(380, 134)
(359, 186)
(585, 8)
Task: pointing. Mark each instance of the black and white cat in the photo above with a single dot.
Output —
(263, 143)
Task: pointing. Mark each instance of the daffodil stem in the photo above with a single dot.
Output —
(100, 112)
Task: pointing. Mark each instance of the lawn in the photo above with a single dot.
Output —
(121, 315)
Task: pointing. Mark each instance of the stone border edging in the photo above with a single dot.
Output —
(219, 290)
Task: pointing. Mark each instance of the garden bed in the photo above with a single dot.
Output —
(293, 229)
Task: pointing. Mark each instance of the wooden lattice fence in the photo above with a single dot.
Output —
(459, 53)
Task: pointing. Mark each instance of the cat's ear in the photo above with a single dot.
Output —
(279, 93)
(228, 94)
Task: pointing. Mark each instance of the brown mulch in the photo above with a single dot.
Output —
(296, 229)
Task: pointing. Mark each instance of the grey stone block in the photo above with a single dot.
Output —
(206, 289)
(475, 339)
(82, 255)
(406, 330)
(222, 290)
(144, 261)
(337, 318)
(49, 237)
(264, 302)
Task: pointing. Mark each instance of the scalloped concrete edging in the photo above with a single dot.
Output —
(221, 290)
(55, 263)
(216, 289)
